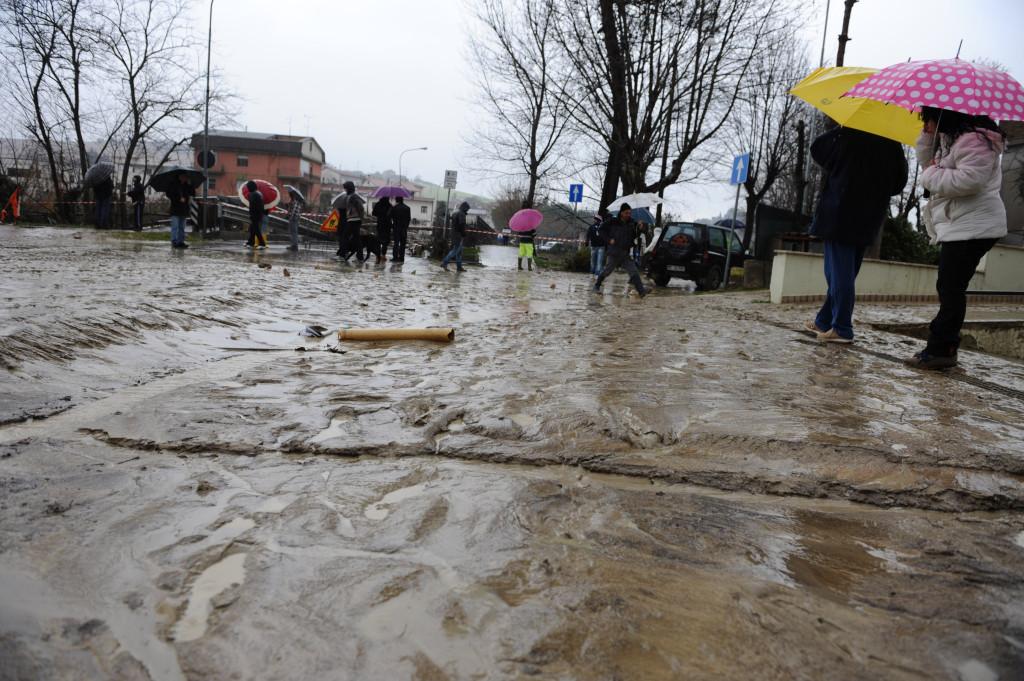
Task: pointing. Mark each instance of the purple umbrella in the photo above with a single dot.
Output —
(525, 220)
(390, 192)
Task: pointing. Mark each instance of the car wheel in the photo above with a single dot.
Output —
(713, 279)
(661, 278)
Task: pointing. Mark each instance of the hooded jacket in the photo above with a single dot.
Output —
(861, 172)
(350, 207)
(401, 216)
(964, 184)
(459, 221)
(594, 237)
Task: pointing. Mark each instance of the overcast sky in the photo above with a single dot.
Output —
(368, 79)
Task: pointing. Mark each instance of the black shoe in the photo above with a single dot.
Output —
(182, 245)
(926, 360)
(642, 292)
(460, 269)
(445, 268)
(597, 287)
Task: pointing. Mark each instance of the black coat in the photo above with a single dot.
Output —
(862, 171)
(256, 209)
(401, 216)
(594, 237)
(459, 224)
(175, 194)
(618, 235)
(382, 211)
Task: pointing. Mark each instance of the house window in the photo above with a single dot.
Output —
(243, 161)
(423, 210)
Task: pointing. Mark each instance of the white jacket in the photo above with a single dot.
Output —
(964, 184)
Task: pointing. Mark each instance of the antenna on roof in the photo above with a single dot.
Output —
(958, 48)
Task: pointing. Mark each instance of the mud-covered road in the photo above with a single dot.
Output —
(579, 487)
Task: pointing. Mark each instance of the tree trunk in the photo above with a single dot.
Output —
(844, 37)
(799, 181)
(617, 85)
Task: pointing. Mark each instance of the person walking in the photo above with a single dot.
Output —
(138, 196)
(294, 213)
(862, 171)
(965, 215)
(351, 209)
(257, 214)
(620, 233)
(180, 195)
(382, 211)
(459, 223)
(401, 216)
(526, 249)
(596, 242)
(104, 195)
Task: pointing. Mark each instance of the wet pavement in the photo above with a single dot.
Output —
(579, 487)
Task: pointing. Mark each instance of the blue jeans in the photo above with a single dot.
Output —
(596, 260)
(842, 264)
(178, 229)
(103, 213)
(454, 254)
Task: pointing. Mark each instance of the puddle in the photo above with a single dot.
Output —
(1020, 540)
(1004, 338)
(273, 505)
(214, 580)
(379, 510)
(523, 420)
(974, 670)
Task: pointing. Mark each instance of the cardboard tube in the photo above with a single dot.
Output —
(441, 335)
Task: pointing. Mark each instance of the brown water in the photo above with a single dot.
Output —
(579, 487)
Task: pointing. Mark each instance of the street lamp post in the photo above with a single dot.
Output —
(206, 123)
(400, 162)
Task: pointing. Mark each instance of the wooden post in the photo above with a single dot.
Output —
(844, 37)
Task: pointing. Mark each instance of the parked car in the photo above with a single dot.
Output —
(688, 250)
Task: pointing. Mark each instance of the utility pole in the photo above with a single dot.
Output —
(206, 123)
(844, 37)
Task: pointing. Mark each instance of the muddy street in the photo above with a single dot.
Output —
(581, 486)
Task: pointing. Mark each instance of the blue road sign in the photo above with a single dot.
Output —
(740, 166)
(575, 193)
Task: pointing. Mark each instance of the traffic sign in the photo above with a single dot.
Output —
(450, 178)
(740, 166)
(210, 159)
(575, 193)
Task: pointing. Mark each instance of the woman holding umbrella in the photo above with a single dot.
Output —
(965, 215)
(179, 184)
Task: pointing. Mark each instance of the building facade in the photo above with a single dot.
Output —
(279, 159)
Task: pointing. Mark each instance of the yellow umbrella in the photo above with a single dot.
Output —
(823, 90)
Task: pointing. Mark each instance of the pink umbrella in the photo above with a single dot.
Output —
(525, 220)
(950, 84)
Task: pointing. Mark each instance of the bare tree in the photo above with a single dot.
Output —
(764, 119)
(147, 42)
(514, 58)
(642, 71)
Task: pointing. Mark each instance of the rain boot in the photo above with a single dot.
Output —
(529, 264)
(519, 263)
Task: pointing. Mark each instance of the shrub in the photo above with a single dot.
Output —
(902, 242)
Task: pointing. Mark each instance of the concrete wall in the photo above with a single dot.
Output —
(799, 278)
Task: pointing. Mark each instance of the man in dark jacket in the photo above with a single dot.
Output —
(382, 211)
(257, 211)
(104, 194)
(180, 195)
(401, 216)
(861, 172)
(620, 233)
(138, 196)
(595, 240)
(459, 222)
(351, 210)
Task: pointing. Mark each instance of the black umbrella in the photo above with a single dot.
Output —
(97, 173)
(165, 179)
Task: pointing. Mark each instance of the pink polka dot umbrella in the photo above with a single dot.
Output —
(951, 84)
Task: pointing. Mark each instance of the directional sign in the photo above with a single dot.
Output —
(575, 193)
(740, 166)
(450, 177)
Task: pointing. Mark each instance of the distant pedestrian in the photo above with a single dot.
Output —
(965, 215)
(382, 211)
(861, 172)
(294, 213)
(459, 223)
(620, 233)
(526, 248)
(103, 192)
(180, 196)
(138, 196)
(596, 242)
(401, 216)
(257, 216)
(351, 209)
